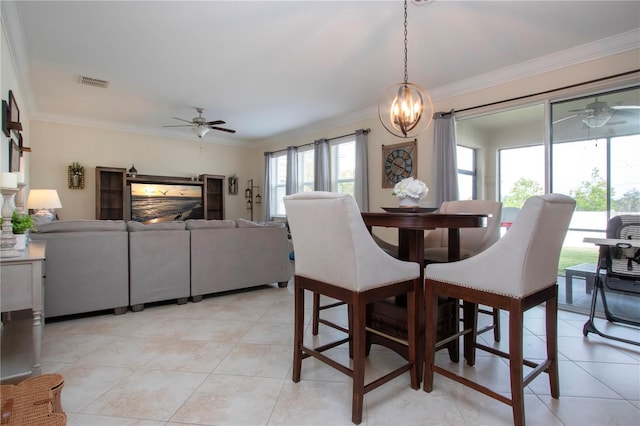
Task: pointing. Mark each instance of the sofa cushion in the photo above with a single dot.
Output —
(244, 223)
(81, 226)
(134, 226)
(208, 224)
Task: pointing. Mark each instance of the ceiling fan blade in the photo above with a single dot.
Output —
(582, 111)
(624, 107)
(216, 122)
(566, 118)
(222, 129)
(180, 125)
(182, 119)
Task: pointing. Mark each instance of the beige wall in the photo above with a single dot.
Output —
(57, 145)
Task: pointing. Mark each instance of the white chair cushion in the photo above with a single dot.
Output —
(524, 260)
(333, 245)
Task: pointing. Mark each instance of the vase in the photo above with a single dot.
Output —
(20, 241)
(409, 202)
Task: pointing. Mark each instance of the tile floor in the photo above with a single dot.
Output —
(227, 361)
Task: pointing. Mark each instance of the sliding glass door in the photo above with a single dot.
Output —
(595, 158)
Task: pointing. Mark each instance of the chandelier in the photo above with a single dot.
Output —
(405, 109)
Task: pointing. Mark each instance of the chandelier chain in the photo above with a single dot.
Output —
(406, 75)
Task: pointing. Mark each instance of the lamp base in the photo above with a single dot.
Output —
(42, 216)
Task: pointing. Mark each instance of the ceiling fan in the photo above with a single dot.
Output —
(200, 125)
(598, 113)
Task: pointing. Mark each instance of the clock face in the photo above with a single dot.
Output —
(398, 164)
(399, 161)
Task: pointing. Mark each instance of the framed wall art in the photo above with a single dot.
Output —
(399, 161)
(14, 156)
(5, 118)
(14, 114)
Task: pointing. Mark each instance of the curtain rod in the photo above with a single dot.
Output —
(571, 86)
(366, 132)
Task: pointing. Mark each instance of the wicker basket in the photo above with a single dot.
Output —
(34, 401)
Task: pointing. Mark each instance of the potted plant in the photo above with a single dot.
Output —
(21, 225)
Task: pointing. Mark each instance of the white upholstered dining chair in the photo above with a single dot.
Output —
(472, 242)
(515, 274)
(337, 257)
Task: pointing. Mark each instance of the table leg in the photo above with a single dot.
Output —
(568, 279)
(37, 339)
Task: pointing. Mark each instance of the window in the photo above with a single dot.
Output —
(521, 173)
(278, 184)
(343, 165)
(306, 159)
(466, 173)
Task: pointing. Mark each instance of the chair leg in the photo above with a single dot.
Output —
(516, 362)
(358, 343)
(496, 324)
(470, 322)
(298, 331)
(551, 311)
(431, 326)
(315, 318)
(413, 307)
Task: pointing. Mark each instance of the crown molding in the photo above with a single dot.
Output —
(587, 52)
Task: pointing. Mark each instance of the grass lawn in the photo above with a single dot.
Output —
(574, 255)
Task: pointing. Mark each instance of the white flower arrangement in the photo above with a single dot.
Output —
(410, 187)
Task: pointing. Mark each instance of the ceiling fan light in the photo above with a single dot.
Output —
(200, 131)
(599, 120)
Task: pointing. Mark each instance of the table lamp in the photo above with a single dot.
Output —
(42, 200)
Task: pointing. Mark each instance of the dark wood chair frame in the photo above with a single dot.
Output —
(358, 333)
(316, 320)
(516, 307)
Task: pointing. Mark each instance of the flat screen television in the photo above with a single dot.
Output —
(165, 202)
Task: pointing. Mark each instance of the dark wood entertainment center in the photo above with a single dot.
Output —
(112, 192)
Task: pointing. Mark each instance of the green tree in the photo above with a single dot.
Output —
(591, 196)
(630, 202)
(522, 189)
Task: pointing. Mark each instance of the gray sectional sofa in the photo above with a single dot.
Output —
(94, 265)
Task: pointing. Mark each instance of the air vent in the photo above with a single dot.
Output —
(88, 81)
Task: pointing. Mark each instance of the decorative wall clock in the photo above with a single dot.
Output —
(399, 161)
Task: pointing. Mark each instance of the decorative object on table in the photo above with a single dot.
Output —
(14, 115)
(14, 156)
(410, 191)
(8, 187)
(405, 109)
(75, 176)
(399, 161)
(409, 209)
(43, 200)
(21, 224)
(132, 172)
(252, 194)
(233, 184)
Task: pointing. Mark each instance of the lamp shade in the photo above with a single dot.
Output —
(43, 199)
(598, 120)
(200, 131)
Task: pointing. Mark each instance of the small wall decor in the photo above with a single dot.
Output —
(14, 156)
(233, 185)
(75, 176)
(14, 114)
(399, 161)
(5, 119)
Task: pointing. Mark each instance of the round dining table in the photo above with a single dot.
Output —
(386, 321)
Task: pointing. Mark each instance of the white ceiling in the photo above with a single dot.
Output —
(271, 67)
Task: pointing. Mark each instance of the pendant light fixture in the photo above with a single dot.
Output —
(406, 109)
